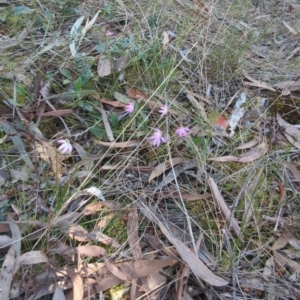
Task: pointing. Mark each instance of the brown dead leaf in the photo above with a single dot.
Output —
(5, 241)
(135, 94)
(47, 152)
(283, 261)
(96, 251)
(191, 197)
(121, 62)
(98, 236)
(57, 113)
(58, 294)
(292, 133)
(288, 86)
(256, 83)
(95, 207)
(74, 231)
(187, 255)
(104, 221)
(60, 248)
(76, 292)
(132, 269)
(293, 170)
(132, 143)
(132, 233)
(112, 103)
(191, 259)
(280, 243)
(249, 144)
(117, 272)
(185, 273)
(104, 68)
(166, 40)
(249, 156)
(188, 164)
(15, 235)
(198, 105)
(7, 274)
(200, 97)
(106, 123)
(223, 206)
(152, 283)
(29, 258)
(161, 168)
(91, 250)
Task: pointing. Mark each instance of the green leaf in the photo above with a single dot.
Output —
(85, 76)
(99, 132)
(22, 9)
(9, 129)
(100, 47)
(86, 106)
(21, 91)
(66, 73)
(78, 84)
(122, 98)
(114, 120)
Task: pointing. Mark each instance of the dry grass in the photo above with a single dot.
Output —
(214, 49)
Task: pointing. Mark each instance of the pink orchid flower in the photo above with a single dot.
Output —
(157, 138)
(182, 131)
(129, 107)
(109, 33)
(65, 146)
(164, 110)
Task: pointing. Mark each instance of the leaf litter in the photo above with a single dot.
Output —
(117, 211)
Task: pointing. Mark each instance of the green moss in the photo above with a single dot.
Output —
(286, 106)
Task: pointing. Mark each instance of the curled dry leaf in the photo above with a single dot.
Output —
(94, 191)
(161, 168)
(249, 156)
(223, 206)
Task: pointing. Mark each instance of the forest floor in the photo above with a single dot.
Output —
(150, 149)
